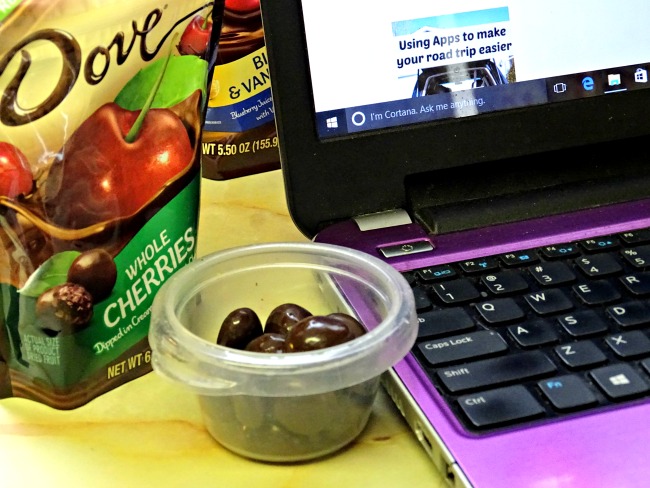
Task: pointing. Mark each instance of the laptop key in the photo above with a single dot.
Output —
(519, 258)
(597, 292)
(456, 291)
(560, 251)
(633, 237)
(436, 323)
(496, 371)
(619, 381)
(461, 347)
(598, 265)
(646, 365)
(500, 311)
(580, 354)
(534, 333)
(422, 300)
(568, 392)
(630, 314)
(598, 244)
(482, 265)
(639, 257)
(504, 283)
(629, 345)
(637, 284)
(549, 302)
(500, 406)
(435, 273)
(583, 323)
(553, 273)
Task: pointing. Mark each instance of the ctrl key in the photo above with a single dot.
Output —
(500, 406)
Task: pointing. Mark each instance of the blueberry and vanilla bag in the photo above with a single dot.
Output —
(239, 136)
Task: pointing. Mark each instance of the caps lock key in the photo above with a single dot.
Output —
(462, 347)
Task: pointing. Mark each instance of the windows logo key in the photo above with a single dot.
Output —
(332, 122)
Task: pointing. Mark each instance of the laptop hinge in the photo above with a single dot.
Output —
(530, 187)
(381, 220)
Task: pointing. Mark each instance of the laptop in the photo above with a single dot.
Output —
(496, 153)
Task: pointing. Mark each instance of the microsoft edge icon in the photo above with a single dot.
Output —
(588, 83)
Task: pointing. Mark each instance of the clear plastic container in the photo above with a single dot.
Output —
(290, 406)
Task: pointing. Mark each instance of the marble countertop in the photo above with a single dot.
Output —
(149, 432)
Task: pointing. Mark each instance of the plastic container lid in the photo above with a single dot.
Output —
(210, 369)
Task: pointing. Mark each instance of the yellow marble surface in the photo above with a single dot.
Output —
(149, 432)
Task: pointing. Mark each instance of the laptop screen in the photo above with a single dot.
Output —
(376, 68)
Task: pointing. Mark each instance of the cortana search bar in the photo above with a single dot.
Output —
(445, 105)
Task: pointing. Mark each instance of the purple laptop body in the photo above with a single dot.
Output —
(590, 450)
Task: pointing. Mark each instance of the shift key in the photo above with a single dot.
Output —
(496, 371)
(462, 347)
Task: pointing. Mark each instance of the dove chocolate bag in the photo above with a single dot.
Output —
(101, 110)
(239, 136)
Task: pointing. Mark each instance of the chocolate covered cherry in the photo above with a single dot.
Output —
(319, 332)
(64, 309)
(95, 270)
(267, 342)
(240, 326)
(283, 317)
(350, 322)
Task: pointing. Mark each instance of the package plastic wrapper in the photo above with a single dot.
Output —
(101, 114)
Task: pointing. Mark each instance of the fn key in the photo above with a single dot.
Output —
(500, 406)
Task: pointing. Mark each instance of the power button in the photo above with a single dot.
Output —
(406, 248)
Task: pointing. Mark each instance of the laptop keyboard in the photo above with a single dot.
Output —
(538, 334)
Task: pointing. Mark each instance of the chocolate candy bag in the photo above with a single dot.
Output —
(239, 136)
(102, 107)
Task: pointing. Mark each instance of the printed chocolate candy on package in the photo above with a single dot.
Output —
(239, 136)
(101, 110)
